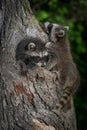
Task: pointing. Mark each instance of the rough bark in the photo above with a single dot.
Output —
(27, 103)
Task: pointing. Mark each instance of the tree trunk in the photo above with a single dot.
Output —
(27, 103)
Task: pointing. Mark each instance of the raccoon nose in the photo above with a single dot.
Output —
(43, 64)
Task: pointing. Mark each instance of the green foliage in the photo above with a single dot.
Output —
(42, 15)
(74, 14)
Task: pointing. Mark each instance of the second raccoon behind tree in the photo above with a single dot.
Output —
(62, 62)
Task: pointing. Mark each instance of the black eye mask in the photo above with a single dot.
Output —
(34, 60)
(49, 28)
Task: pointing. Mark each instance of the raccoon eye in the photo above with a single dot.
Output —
(32, 46)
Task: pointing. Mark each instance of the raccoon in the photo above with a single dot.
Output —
(31, 52)
(61, 61)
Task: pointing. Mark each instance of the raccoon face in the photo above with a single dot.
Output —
(56, 31)
(37, 53)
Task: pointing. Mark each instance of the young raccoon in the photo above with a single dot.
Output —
(31, 52)
(61, 61)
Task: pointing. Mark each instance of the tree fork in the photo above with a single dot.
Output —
(27, 102)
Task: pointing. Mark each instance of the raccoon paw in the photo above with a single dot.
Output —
(40, 74)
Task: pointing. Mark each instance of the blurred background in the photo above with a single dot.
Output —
(74, 14)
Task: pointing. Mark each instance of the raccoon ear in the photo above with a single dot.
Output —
(31, 46)
(66, 27)
(60, 33)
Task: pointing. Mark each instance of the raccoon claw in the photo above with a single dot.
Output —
(40, 75)
(55, 76)
(31, 75)
(58, 106)
(23, 68)
(24, 71)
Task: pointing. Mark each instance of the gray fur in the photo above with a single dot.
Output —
(61, 61)
(31, 52)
